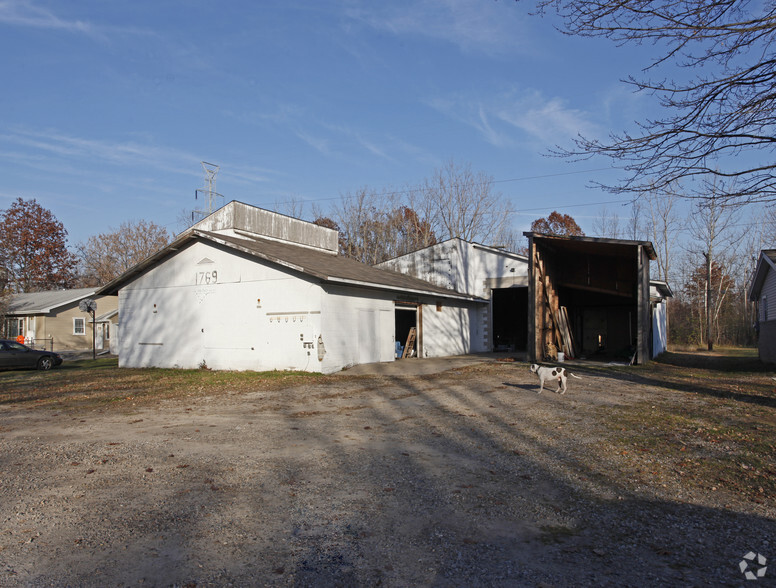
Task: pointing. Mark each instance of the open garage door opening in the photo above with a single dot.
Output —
(406, 326)
(510, 318)
(589, 298)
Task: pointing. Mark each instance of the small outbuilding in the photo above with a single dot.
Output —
(590, 297)
(763, 293)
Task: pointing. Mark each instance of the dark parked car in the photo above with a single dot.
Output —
(16, 355)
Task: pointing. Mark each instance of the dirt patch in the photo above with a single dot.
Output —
(637, 477)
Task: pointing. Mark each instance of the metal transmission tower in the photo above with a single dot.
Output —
(208, 193)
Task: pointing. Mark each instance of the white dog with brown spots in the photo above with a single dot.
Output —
(552, 374)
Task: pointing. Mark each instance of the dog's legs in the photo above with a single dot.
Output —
(541, 385)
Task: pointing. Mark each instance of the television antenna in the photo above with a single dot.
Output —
(208, 192)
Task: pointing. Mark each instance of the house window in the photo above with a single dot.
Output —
(15, 327)
(79, 326)
(107, 331)
(764, 307)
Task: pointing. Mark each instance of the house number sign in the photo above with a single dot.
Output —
(203, 278)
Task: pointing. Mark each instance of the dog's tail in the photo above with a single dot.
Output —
(575, 376)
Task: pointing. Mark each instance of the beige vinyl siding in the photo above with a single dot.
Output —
(59, 326)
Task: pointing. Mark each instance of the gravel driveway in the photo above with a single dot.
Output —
(463, 478)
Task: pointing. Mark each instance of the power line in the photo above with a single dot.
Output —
(489, 182)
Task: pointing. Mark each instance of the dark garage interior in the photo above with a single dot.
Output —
(589, 297)
(510, 318)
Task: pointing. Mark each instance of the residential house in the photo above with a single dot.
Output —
(763, 293)
(659, 293)
(53, 320)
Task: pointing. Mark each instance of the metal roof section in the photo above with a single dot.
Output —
(48, 301)
(613, 247)
(661, 289)
(239, 218)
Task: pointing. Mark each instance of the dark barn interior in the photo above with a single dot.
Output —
(510, 318)
(589, 298)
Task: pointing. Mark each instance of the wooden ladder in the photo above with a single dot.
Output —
(410, 345)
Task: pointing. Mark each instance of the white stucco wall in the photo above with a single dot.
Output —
(212, 305)
(462, 266)
(659, 331)
(469, 268)
(209, 305)
(358, 326)
(453, 329)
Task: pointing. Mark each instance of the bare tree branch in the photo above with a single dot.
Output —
(722, 113)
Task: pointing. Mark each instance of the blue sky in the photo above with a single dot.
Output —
(108, 107)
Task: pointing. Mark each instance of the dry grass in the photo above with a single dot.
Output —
(90, 384)
(711, 425)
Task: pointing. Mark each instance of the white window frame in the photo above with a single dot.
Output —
(83, 325)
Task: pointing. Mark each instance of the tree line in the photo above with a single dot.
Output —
(34, 253)
(706, 252)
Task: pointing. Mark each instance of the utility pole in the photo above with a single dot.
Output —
(208, 192)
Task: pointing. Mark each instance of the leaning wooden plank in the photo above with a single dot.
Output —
(572, 343)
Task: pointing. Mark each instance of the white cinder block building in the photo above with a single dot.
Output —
(489, 273)
(249, 289)
(599, 306)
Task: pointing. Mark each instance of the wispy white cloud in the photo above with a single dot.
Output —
(356, 137)
(551, 121)
(489, 27)
(320, 144)
(125, 153)
(15, 12)
(25, 13)
(540, 120)
(57, 153)
(475, 114)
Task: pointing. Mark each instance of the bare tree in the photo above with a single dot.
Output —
(635, 228)
(664, 226)
(106, 256)
(722, 109)
(711, 227)
(376, 226)
(607, 225)
(357, 216)
(464, 205)
(291, 206)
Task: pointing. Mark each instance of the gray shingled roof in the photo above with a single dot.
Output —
(45, 302)
(326, 267)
